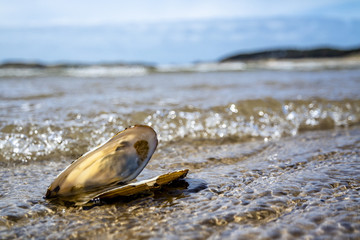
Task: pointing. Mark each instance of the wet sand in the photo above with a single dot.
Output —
(302, 186)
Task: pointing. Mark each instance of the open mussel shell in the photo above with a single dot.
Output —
(114, 163)
(142, 186)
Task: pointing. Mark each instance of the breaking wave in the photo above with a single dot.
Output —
(245, 120)
(133, 70)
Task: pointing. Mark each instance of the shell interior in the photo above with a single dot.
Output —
(116, 162)
(143, 186)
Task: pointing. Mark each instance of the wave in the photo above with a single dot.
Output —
(95, 71)
(262, 119)
(123, 70)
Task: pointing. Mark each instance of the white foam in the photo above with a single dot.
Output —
(102, 71)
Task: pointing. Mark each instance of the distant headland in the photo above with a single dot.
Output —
(292, 54)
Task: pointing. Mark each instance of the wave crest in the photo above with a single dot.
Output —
(265, 119)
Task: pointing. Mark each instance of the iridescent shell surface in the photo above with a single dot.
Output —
(116, 162)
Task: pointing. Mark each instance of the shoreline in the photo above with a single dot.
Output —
(351, 63)
(252, 57)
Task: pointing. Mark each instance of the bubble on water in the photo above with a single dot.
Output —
(233, 108)
(291, 116)
(172, 115)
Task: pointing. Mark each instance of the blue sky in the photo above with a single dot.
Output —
(179, 31)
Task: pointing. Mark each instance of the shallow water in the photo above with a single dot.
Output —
(272, 154)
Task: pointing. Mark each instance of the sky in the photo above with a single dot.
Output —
(85, 12)
(173, 31)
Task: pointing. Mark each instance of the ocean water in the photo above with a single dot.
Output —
(273, 152)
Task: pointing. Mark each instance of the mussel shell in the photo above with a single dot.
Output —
(117, 161)
(143, 186)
